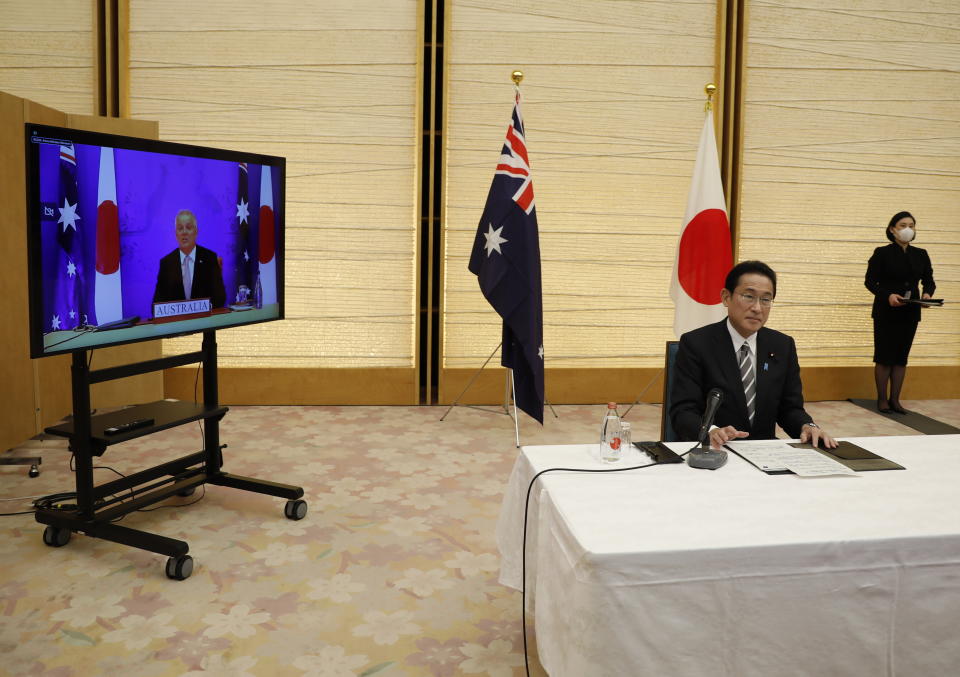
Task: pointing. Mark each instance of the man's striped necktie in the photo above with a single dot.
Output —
(749, 378)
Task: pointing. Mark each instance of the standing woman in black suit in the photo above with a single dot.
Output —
(893, 273)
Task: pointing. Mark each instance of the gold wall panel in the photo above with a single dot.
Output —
(47, 53)
(255, 385)
(613, 108)
(333, 87)
(851, 115)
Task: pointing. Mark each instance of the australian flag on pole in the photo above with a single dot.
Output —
(506, 261)
(66, 309)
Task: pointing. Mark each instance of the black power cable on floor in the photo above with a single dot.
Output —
(54, 502)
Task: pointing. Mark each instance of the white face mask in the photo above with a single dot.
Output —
(906, 235)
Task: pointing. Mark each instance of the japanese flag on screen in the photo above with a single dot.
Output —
(109, 300)
(704, 252)
(268, 259)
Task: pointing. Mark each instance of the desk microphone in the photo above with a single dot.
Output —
(714, 398)
(705, 457)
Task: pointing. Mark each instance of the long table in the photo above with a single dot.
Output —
(679, 572)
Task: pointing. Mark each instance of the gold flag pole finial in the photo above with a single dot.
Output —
(517, 77)
(710, 90)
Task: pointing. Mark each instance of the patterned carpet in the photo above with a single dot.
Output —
(392, 572)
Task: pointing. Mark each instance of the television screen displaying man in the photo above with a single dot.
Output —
(189, 271)
(756, 369)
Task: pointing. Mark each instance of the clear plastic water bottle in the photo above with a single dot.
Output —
(257, 294)
(610, 435)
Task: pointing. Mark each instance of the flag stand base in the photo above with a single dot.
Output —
(509, 396)
(644, 392)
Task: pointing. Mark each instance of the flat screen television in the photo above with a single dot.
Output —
(134, 239)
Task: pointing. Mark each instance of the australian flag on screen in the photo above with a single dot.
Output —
(65, 309)
(242, 254)
(506, 261)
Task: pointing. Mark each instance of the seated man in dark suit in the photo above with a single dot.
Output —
(756, 369)
(189, 271)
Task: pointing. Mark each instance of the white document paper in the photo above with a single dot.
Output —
(766, 455)
(809, 463)
(777, 455)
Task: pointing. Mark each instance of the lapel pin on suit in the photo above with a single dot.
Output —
(766, 365)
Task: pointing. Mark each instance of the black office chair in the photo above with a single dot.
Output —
(667, 434)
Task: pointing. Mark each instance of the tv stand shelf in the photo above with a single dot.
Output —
(165, 414)
(98, 506)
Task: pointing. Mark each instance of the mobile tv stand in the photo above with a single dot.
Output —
(97, 506)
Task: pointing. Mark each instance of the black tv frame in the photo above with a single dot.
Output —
(170, 329)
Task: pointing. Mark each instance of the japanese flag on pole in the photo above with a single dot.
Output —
(107, 296)
(704, 252)
(268, 260)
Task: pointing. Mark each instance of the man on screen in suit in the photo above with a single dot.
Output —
(760, 382)
(189, 271)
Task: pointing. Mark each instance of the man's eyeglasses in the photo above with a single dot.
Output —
(750, 299)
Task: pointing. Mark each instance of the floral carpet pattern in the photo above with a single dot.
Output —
(392, 572)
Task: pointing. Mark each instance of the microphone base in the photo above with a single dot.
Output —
(707, 459)
(119, 324)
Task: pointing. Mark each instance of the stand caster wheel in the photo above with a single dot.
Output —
(187, 492)
(56, 537)
(34, 471)
(180, 568)
(295, 510)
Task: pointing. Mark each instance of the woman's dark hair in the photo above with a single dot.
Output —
(746, 268)
(893, 222)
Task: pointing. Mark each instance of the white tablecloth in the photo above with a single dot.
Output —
(674, 571)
